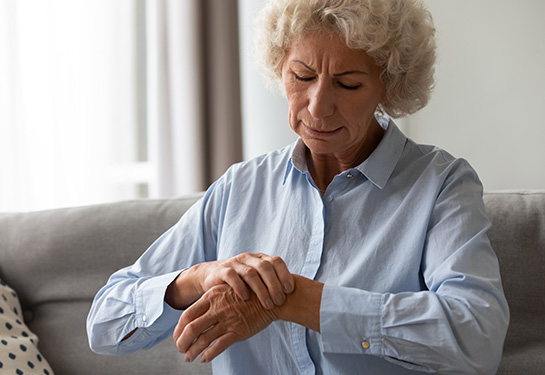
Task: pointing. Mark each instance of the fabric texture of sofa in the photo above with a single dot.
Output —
(57, 260)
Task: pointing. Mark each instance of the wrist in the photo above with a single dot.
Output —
(184, 290)
(302, 306)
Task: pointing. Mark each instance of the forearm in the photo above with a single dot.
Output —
(126, 306)
(184, 290)
(303, 305)
(425, 329)
(179, 295)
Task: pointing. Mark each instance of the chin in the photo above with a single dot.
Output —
(321, 147)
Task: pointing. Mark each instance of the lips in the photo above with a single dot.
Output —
(322, 133)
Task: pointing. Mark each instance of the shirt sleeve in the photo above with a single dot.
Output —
(457, 324)
(133, 298)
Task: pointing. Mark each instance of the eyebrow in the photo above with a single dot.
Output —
(334, 75)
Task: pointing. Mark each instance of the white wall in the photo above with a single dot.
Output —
(490, 94)
(489, 98)
(264, 113)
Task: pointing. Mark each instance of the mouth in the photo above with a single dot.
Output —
(321, 133)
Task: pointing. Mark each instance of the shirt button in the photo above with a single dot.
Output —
(365, 345)
(349, 175)
(144, 318)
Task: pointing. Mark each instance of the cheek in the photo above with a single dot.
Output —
(356, 116)
(292, 119)
(296, 104)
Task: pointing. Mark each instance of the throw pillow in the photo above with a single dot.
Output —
(19, 353)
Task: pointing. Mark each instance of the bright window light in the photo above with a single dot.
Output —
(70, 126)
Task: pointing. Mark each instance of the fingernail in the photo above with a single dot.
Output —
(245, 296)
(279, 299)
(288, 288)
(203, 359)
(269, 303)
(187, 358)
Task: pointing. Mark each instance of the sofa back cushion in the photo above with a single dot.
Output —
(57, 260)
(518, 237)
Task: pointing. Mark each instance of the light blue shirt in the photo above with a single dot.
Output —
(411, 282)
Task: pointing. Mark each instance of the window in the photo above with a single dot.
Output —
(72, 103)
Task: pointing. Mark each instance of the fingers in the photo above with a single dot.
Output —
(196, 337)
(211, 343)
(188, 318)
(217, 320)
(203, 341)
(218, 347)
(268, 277)
(284, 275)
(231, 276)
(199, 329)
(258, 284)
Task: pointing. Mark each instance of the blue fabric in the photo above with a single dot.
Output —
(411, 282)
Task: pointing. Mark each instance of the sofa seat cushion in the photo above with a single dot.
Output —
(19, 352)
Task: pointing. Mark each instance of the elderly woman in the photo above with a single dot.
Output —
(353, 250)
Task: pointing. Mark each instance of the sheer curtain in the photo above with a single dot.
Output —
(66, 101)
(107, 100)
(194, 112)
(175, 92)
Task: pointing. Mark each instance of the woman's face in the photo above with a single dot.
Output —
(333, 92)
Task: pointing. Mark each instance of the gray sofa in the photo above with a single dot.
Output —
(57, 260)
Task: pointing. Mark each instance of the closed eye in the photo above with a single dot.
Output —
(344, 86)
(301, 78)
(349, 87)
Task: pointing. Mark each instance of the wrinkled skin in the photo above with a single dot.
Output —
(217, 320)
(266, 276)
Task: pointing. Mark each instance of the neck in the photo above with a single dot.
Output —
(324, 167)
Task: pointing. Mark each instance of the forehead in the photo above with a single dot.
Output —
(320, 48)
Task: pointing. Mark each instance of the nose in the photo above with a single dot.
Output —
(322, 100)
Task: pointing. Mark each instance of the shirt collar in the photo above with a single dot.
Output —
(378, 167)
(297, 159)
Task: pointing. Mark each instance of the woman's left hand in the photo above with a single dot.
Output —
(217, 320)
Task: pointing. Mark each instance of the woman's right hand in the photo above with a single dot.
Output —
(217, 320)
(267, 276)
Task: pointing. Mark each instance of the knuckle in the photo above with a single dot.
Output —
(188, 315)
(264, 265)
(191, 330)
(229, 272)
(277, 261)
(201, 341)
(250, 273)
(240, 257)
